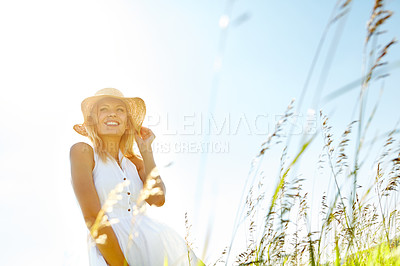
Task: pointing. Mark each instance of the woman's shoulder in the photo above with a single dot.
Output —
(82, 148)
(82, 152)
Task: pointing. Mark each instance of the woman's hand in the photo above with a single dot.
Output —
(144, 142)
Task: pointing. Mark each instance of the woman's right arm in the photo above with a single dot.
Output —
(82, 163)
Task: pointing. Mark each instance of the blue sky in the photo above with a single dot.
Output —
(56, 53)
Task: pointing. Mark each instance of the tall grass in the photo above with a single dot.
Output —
(358, 226)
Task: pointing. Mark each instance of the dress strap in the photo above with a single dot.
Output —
(95, 155)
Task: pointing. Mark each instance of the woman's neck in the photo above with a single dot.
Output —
(111, 145)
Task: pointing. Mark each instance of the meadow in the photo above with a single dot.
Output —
(357, 225)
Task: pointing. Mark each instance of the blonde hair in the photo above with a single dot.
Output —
(126, 142)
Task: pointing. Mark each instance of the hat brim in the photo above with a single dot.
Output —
(135, 105)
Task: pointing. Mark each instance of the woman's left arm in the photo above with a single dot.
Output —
(153, 180)
(149, 173)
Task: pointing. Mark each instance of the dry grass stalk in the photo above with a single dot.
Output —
(102, 219)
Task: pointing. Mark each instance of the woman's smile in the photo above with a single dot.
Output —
(112, 123)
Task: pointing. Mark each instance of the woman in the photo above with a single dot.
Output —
(112, 184)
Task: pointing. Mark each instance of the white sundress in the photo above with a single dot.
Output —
(152, 242)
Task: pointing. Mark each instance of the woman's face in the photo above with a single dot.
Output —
(112, 117)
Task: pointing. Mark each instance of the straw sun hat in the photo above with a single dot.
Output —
(136, 108)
